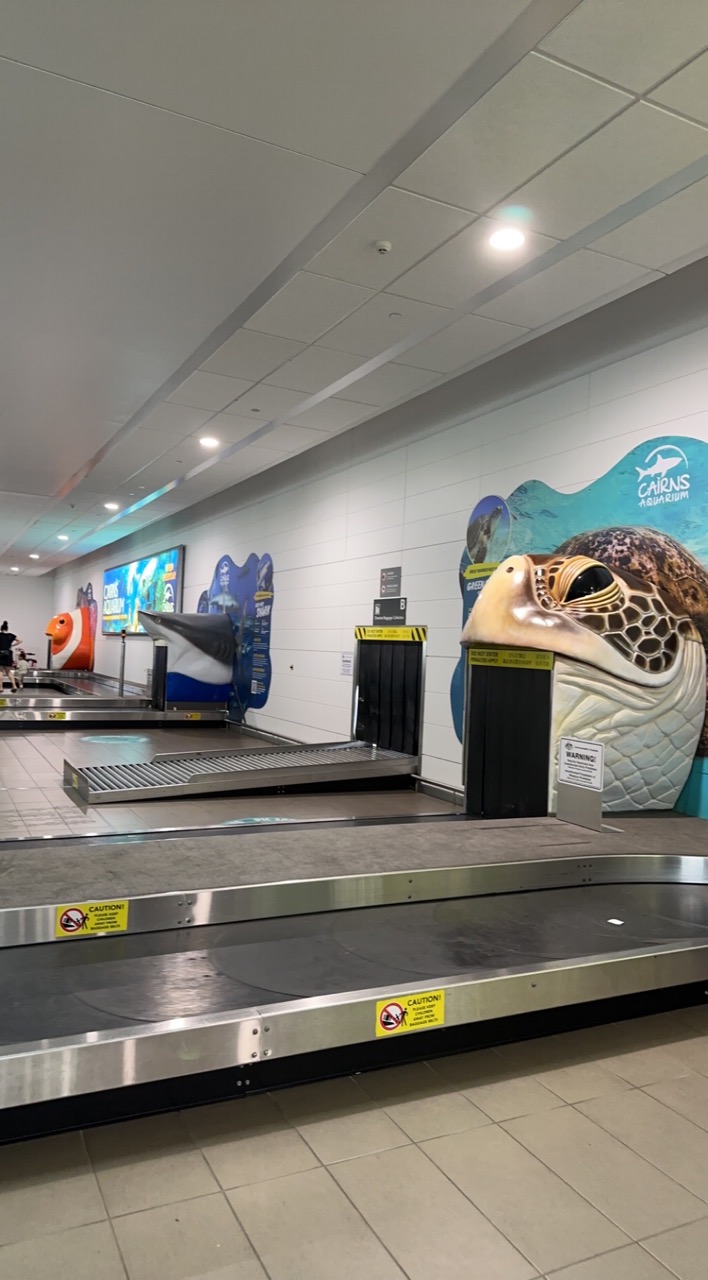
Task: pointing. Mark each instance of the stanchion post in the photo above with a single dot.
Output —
(49, 655)
(159, 675)
(121, 671)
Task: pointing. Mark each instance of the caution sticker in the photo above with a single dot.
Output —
(531, 659)
(410, 1013)
(78, 920)
(56, 715)
(192, 715)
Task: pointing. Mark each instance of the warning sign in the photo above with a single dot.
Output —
(418, 1012)
(81, 919)
(531, 659)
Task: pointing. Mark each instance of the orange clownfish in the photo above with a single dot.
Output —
(72, 645)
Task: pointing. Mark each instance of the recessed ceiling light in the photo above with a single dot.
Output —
(111, 506)
(33, 555)
(14, 569)
(63, 537)
(507, 238)
(208, 442)
(614, 921)
(255, 410)
(395, 315)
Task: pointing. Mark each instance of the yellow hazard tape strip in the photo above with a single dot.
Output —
(391, 633)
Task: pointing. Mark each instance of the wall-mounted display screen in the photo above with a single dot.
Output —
(154, 583)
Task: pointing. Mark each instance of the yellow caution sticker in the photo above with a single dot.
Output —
(531, 659)
(79, 919)
(391, 633)
(56, 715)
(192, 715)
(75, 781)
(485, 570)
(4, 702)
(418, 1012)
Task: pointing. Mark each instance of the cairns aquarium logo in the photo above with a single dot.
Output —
(664, 477)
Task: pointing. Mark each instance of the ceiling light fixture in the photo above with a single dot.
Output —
(507, 238)
(111, 506)
(615, 921)
(208, 442)
(14, 569)
(34, 555)
(63, 537)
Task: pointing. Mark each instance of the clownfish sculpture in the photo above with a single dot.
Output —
(72, 640)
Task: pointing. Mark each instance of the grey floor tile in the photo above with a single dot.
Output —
(191, 1240)
(248, 1140)
(304, 1228)
(688, 1095)
(144, 1163)
(684, 1250)
(419, 1101)
(582, 1080)
(631, 1263)
(672, 1143)
(466, 1070)
(506, 1099)
(631, 1192)
(83, 1253)
(543, 1217)
(46, 1185)
(338, 1120)
(647, 1066)
(428, 1225)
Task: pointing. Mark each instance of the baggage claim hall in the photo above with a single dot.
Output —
(353, 633)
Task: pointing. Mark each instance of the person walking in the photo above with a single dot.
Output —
(7, 640)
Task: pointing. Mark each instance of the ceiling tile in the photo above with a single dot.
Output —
(265, 402)
(665, 234)
(467, 264)
(178, 419)
(687, 91)
(228, 428)
(308, 306)
(628, 155)
(528, 118)
(332, 415)
(633, 43)
(251, 355)
(462, 342)
(136, 451)
(380, 323)
(291, 439)
(208, 391)
(315, 369)
(250, 462)
(390, 382)
(339, 82)
(412, 225)
(570, 284)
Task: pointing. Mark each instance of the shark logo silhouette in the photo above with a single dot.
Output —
(664, 477)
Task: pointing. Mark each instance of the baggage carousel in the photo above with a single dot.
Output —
(104, 997)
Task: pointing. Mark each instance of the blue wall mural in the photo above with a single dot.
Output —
(244, 594)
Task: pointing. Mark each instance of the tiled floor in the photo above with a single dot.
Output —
(33, 801)
(581, 1157)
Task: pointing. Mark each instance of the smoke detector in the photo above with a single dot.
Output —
(383, 246)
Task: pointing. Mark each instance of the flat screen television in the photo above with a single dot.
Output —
(154, 583)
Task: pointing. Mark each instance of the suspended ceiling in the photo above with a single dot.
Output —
(192, 197)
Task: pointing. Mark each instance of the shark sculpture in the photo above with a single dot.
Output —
(202, 649)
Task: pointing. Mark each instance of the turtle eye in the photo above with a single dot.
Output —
(589, 582)
(584, 583)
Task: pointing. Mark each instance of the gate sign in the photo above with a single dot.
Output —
(417, 1012)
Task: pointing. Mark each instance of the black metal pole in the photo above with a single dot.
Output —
(159, 675)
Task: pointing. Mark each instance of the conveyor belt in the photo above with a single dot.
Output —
(83, 1016)
(195, 773)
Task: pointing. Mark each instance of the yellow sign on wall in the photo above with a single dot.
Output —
(79, 919)
(391, 633)
(531, 659)
(418, 1012)
(473, 571)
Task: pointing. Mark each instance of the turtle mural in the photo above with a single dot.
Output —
(625, 611)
